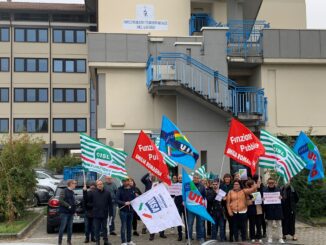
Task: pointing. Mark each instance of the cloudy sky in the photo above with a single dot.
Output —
(316, 11)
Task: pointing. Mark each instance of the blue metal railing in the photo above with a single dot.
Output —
(206, 82)
(200, 20)
(244, 37)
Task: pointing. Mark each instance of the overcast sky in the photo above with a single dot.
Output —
(316, 10)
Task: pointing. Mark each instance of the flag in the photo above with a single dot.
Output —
(176, 145)
(167, 159)
(280, 157)
(309, 152)
(243, 146)
(157, 209)
(201, 171)
(192, 198)
(101, 158)
(146, 153)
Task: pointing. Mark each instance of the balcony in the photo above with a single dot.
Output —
(198, 21)
(177, 72)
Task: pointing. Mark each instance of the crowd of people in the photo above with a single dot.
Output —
(237, 208)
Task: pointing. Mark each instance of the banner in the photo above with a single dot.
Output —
(175, 189)
(243, 146)
(272, 197)
(157, 209)
(101, 158)
(146, 153)
(176, 145)
(192, 198)
(309, 152)
(279, 157)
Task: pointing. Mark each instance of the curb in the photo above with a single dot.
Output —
(24, 231)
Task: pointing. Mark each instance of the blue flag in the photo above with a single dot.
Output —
(192, 198)
(176, 145)
(305, 148)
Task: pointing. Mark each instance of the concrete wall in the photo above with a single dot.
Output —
(284, 14)
(296, 98)
(303, 44)
(112, 13)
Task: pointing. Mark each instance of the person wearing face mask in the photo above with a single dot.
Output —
(273, 212)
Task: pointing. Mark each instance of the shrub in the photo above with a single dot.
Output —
(57, 164)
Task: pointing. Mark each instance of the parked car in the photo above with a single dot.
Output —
(43, 194)
(46, 178)
(53, 216)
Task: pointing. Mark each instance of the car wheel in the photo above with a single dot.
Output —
(34, 201)
(50, 229)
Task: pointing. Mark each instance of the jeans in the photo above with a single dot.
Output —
(239, 221)
(89, 228)
(100, 224)
(255, 226)
(114, 208)
(126, 221)
(199, 225)
(269, 229)
(66, 220)
(219, 223)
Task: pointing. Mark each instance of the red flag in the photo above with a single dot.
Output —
(243, 146)
(147, 154)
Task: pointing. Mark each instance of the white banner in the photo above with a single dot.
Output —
(272, 197)
(157, 210)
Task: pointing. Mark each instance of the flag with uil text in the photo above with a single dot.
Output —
(280, 157)
(101, 158)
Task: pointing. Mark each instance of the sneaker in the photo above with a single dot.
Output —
(253, 240)
(260, 241)
(270, 240)
(281, 241)
(131, 243)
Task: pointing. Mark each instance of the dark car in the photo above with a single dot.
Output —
(43, 194)
(53, 216)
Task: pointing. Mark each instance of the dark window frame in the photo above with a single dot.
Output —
(1, 28)
(63, 120)
(4, 58)
(63, 35)
(37, 121)
(37, 95)
(4, 101)
(64, 70)
(64, 99)
(37, 60)
(4, 119)
(37, 35)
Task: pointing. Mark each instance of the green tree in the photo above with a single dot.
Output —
(17, 178)
(57, 164)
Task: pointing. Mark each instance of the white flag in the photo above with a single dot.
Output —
(157, 210)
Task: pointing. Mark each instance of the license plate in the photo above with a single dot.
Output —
(78, 219)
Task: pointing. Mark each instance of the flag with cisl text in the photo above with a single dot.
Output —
(176, 145)
(157, 209)
(101, 158)
(243, 146)
(192, 198)
(147, 154)
(309, 152)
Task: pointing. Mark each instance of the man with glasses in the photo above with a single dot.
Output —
(273, 212)
(67, 209)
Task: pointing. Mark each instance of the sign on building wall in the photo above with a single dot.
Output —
(145, 20)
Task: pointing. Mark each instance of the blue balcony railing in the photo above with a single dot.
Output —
(207, 83)
(198, 21)
(244, 37)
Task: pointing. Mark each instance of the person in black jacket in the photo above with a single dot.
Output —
(102, 208)
(135, 217)
(216, 211)
(88, 218)
(181, 209)
(290, 199)
(67, 209)
(273, 212)
(125, 195)
(226, 186)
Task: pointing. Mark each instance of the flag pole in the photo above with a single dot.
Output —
(187, 227)
(222, 166)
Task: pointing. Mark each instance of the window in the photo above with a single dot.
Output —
(4, 125)
(4, 34)
(69, 36)
(31, 125)
(70, 95)
(69, 66)
(4, 94)
(31, 35)
(31, 95)
(31, 65)
(69, 125)
(4, 64)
